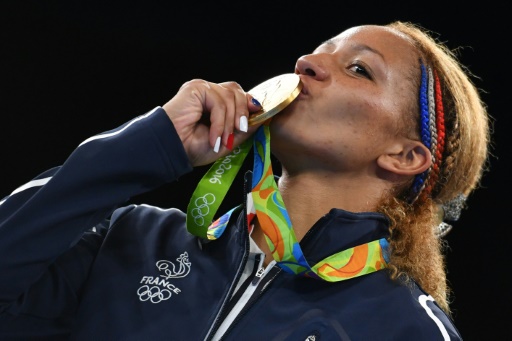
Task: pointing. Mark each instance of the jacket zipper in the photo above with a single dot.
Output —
(252, 301)
(216, 322)
(258, 275)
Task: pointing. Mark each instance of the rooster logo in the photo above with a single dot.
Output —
(175, 270)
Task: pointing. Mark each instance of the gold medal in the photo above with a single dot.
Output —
(274, 95)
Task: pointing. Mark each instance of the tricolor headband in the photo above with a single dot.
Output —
(432, 132)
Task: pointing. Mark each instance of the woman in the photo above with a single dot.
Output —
(387, 135)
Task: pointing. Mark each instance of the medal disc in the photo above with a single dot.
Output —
(274, 95)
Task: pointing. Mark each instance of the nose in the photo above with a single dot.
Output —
(312, 65)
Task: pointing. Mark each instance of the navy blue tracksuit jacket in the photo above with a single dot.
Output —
(78, 263)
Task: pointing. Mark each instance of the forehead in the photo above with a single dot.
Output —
(388, 43)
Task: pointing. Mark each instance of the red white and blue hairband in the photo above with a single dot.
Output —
(432, 131)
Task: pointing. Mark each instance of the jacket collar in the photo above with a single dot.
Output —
(339, 230)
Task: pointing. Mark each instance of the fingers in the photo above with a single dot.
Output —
(211, 118)
(229, 113)
(223, 113)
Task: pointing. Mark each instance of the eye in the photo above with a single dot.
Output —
(360, 69)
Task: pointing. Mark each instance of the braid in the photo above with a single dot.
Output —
(427, 186)
(419, 180)
(432, 132)
(440, 135)
(451, 148)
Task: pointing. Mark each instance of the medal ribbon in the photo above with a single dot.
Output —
(210, 192)
(274, 219)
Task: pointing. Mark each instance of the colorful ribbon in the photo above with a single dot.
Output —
(274, 220)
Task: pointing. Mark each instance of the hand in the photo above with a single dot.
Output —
(203, 112)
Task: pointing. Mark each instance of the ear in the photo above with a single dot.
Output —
(406, 158)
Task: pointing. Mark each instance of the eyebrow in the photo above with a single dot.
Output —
(356, 47)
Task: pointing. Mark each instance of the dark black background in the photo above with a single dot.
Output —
(71, 69)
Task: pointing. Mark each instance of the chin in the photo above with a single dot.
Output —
(283, 116)
(278, 125)
(281, 134)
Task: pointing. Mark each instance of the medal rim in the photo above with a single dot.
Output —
(263, 115)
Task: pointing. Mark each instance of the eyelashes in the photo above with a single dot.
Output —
(361, 70)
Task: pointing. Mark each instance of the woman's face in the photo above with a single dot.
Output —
(357, 91)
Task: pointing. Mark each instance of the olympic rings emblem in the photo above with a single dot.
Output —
(202, 208)
(153, 294)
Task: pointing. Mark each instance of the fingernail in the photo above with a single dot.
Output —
(217, 145)
(243, 124)
(255, 102)
(231, 139)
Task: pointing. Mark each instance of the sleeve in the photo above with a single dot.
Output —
(52, 227)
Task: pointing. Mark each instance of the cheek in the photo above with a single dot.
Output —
(361, 117)
(373, 124)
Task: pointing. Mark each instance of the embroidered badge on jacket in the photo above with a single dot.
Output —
(156, 289)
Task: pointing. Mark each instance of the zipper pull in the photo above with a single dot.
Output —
(257, 276)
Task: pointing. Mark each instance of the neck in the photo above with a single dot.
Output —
(309, 196)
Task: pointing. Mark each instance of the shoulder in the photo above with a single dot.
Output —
(146, 211)
(395, 310)
(147, 216)
(420, 314)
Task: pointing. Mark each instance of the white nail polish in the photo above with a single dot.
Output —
(243, 124)
(217, 145)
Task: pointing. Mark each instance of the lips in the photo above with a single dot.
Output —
(304, 90)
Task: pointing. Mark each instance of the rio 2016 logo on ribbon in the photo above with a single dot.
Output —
(223, 166)
(212, 189)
